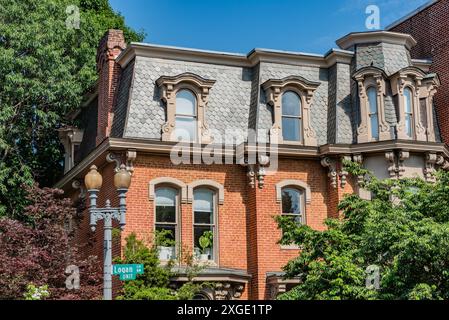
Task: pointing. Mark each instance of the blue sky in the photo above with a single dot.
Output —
(241, 25)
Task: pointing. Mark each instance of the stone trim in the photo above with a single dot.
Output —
(200, 87)
(274, 89)
(423, 87)
(277, 285)
(294, 183)
(206, 183)
(70, 137)
(170, 181)
(366, 78)
(285, 151)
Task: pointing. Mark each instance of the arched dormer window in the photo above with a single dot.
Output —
(186, 97)
(291, 99)
(291, 117)
(373, 112)
(186, 116)
(371, 86)
(415, 91)
(408, 112)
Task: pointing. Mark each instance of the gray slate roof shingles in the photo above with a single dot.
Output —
(237, 101)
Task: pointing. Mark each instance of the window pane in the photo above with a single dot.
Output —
(291, 129)
(172, 231)
(166, 214)
(185, 103)
(198, 231)
(297, 219)
(408, 124)
(204, 217)
(166, 197)
(185, 129)
(408, 100)
(203, 200)
(372, 100)
(291, 201)
(374, 126)
(291, 104)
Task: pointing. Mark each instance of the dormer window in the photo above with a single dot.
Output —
(373, 113)
(373, 125)
(408, 109)
(185, 96)
(186, 116)
(291, 99)
(291, 117)
(415, 90)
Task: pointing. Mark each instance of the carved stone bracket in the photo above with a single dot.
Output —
(442, 162)
(256, 172)
(131, 156)
(343, 174)
(390, 156)
(251, 174)
(112, 157)
(76, 184)
(332, 167)
(429, 170)
(358, 158)
(403, 155)
(228, 290)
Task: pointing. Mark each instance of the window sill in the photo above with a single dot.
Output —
(209, 263)
(291, 247)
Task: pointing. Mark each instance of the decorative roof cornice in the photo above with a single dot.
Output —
(254, 57)
(354, 38)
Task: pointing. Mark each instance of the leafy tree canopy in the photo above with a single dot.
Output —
(403, 231)
(45, 68)
(154, 283)
(34, 255)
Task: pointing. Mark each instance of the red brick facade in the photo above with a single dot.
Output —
(430, 28)
(111, 45)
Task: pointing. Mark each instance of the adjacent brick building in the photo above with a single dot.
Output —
(429, 25)
(367, 101)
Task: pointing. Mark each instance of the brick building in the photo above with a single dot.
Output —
(368, 101)
(429, 25)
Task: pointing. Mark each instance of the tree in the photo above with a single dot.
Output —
(154, 284)
(36, 253)
(46, 66)
(403, 232)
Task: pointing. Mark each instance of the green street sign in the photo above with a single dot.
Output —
(127, 271)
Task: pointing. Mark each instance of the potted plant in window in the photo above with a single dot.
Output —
(165, 244)
(206, 242)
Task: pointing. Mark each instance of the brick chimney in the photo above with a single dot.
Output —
(109, 48)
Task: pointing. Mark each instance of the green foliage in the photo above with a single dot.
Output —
(36, 293)
(404, 230)
(206, 240)
(154, 284)
(45, 68)
(164, 238)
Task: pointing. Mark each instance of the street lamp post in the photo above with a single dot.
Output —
(93, 182)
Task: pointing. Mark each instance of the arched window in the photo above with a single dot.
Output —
(185, 116)
(373, 112)
(291, 117)
(166, 221)
(204, 224)
(408, 109)
(293, 204)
